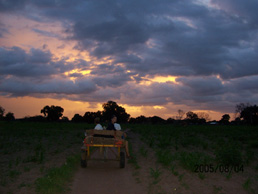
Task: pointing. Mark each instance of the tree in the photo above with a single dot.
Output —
(250, 114)
(204, 115)
(112, 108)
(156, 120)
(170, 120)
(89, 117)
(65, 119)
(141, 119)
(239, 108)
(52, 113)
(77, 118)
(1, 113)
(9, 116)
(191, 115)
(180, 114)
(225, 119)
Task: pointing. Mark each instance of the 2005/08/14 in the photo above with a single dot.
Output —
(205, 168)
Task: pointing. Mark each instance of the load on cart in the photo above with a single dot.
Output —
(103, 140)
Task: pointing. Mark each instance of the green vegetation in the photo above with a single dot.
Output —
(228, 154)
(192, 159)
(32, 147)
(203, 150)
(164, 157)
(28, 147)
(133, 159)
(247, 185)
(155, 174)
(56, 179)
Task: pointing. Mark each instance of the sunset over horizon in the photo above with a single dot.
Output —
(151, 57)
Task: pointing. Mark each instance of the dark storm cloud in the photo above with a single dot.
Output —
(247, 10)
(113, 37)
(189, 38)
(111, 80)
(11, 5)
(36, 63)
(203, 86)
(21, 87)
(15, 61)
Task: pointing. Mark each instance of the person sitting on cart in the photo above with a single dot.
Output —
(98, 125)
(112, 126)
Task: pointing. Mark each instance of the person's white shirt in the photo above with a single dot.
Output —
(98, 127)
(117, 126)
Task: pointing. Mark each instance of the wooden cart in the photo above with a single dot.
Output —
(102, 140)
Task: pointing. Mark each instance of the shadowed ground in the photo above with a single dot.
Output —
(105, 177)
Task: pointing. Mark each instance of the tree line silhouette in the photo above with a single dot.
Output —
(244, 114)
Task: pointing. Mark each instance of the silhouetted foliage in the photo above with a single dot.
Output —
(77, 118)
(9, 117)
(2, 113)
(156, 120)
(89, 117)
(52, 113)
(250, 114)
(204, 115)
(142, 119)
(240, 107)
(111, 108)
(180, 114)
(37, 118)
(191, 116)
(237, 121)
(65, 119)
(170, 121)
(225, 119)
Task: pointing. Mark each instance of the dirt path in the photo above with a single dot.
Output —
(105, 178)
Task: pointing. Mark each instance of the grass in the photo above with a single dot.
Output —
(189, 160)
(155, 174)
(133, 159)
(247, 185)
(203, 145)
(30, 145)
(164, 157)
(231, 145)
(33, 145)
(56, 179)
(229, 154)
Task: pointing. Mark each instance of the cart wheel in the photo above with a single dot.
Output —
(122, 159)
(83, 159)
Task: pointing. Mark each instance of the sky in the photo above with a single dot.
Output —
(152, 57)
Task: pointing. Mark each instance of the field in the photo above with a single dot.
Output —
(31, 151)
(198, 159)
(166, 158)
